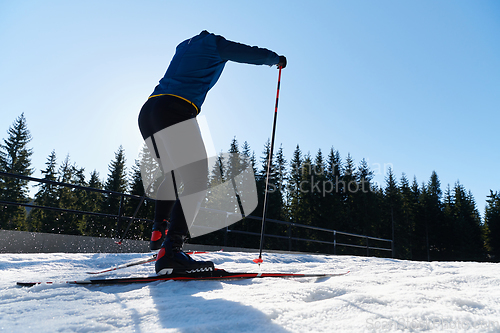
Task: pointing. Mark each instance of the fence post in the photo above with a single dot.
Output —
(367, 247)
(334, 242)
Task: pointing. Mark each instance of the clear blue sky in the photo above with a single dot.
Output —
(412, 84)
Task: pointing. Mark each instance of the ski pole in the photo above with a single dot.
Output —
(266, 193)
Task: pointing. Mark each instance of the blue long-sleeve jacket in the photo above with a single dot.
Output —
(198, 63)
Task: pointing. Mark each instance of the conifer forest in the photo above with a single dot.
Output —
(425, 220)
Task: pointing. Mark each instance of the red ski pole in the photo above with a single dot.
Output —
(266, 193)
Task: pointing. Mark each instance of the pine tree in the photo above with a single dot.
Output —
(15, 158)
(138, 230)
(93, 203)
(281, 184)
(234, 164)
(218, 174)
(364, 177)
(469, 244)
(419, 239)
(294, 193)
(447, 244)
(350, 185)
(249, 155)
(365, 199)
(318, 179)
(117, 177)
(393, 214)
(277, 201)
(293, 188)
(67, 223)
(492, 221)
(80, 199)
(42, 220)
(136, 184)
(305, 208)
(432, 219)
(116, 182)
(250, 225)
(408, 216)
(335, 210)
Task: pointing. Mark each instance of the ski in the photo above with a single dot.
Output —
(218, 274)
(135, 263)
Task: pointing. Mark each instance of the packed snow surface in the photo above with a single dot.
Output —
(378, 295)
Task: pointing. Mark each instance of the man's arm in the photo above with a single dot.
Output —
(246, 54)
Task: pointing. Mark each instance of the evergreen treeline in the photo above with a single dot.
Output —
(322, 191)
(326, 192)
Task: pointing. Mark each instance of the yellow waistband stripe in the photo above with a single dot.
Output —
(187, 100)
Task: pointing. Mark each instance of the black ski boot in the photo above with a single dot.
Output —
(172, 260)
(158, 235)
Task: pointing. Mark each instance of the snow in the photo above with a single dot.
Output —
(378, 295)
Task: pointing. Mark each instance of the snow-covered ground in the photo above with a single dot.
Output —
(378, 295)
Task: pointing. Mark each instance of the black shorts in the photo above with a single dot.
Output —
(163, 111)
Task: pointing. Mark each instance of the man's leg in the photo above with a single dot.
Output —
(166, 197)
(183, 144)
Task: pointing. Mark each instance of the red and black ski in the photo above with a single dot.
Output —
(218, 274)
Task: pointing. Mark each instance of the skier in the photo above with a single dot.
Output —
(167, 122)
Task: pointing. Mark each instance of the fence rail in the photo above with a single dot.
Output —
(333, 242)
(119, 216)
